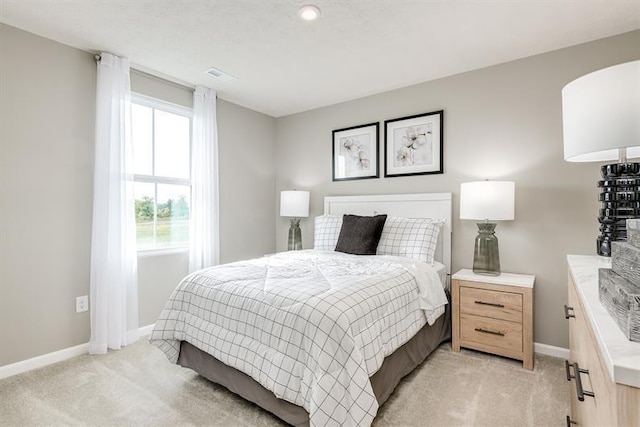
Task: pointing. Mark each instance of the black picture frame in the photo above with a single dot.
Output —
(413, 145)
(355, 152)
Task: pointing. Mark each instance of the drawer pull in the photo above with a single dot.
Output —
(566, 368)
(492, 304)
(580, 392)
(570, 421)
(489, 331)
(566, 312)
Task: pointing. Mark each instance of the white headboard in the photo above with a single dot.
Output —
(419, 205)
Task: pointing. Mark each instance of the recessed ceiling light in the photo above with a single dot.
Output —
(218, 74)
(309, 12)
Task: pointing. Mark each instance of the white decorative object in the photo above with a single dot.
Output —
(204, 224)
(113, 281)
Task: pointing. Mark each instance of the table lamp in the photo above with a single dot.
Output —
(294, 204)
(601, 122)
(488, 201)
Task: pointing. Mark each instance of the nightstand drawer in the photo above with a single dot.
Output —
(488, 303)
(491, 332)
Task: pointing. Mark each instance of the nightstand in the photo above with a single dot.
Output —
(494, 314)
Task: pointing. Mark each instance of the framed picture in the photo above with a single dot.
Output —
(355, 152)
(413, 145)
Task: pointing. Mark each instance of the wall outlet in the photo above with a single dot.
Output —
(82, 304)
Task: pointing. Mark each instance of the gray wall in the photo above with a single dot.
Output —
(47, 103)
(501, 122)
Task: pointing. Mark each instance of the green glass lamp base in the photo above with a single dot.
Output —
(295, 235)
(486, 256)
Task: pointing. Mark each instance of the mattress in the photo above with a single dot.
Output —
(310, 327)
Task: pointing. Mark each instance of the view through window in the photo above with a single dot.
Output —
(161, 149)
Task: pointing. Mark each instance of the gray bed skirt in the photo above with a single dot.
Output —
(395, 366)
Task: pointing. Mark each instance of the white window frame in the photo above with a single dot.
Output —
(147, 101)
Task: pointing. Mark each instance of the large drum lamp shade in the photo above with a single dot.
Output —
(601, 114)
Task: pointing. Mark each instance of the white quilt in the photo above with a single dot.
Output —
(310, 326)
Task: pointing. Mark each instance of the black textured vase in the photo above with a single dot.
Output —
(620, 198)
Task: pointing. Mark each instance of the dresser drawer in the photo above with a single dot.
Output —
(489, 303)
(491, 332)
(598, 410)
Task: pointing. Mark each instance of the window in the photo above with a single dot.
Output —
(161, 134)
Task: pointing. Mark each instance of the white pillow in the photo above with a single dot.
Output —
(326, 232)
(410, 237)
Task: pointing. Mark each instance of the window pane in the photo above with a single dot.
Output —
(171, 145)
(145, 208)
(172, 228)
(141, 133)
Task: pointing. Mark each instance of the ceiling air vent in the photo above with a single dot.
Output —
(218, 74)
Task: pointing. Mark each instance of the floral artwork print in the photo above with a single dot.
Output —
(355, 150)
(414, 145)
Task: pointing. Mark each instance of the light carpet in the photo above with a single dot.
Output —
(137, 386)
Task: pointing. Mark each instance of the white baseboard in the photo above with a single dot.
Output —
(551, 350)
(54, 357)
(41, 361)
(67, 353)
(145, 331)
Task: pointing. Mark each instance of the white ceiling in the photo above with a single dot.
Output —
(356, 48)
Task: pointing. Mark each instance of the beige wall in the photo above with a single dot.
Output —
(502, 122)
(47, 103)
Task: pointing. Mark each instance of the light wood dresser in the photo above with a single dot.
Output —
(494, 314)
(603, 365)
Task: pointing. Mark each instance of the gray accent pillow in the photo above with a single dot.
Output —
(360, 235)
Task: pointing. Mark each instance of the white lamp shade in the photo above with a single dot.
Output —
(294, 203)
(491, 200)
(601, 113)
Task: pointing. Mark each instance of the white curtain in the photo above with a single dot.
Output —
(114, 285)
(204, 249)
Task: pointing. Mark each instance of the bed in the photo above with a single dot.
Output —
(316, 337)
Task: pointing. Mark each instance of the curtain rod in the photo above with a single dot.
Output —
(146, 74)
